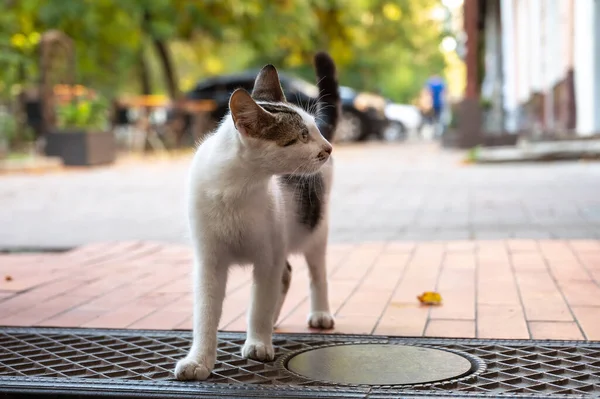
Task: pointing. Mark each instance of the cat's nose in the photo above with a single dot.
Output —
(325, 152)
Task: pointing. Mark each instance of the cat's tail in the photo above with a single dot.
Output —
(329, 95)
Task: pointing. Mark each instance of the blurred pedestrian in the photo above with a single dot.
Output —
(436, 87)
(426, 107)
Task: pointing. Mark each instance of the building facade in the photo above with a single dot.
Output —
(541, 66)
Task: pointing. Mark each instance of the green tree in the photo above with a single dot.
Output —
(151, 46)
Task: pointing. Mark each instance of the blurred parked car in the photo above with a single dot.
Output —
(404, 120)
(362, 113)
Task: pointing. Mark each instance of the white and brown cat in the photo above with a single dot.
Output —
(258, 192)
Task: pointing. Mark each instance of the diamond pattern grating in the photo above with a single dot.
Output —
(138, 363)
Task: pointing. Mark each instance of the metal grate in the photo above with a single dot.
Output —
(140, 363)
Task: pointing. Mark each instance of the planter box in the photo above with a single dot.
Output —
(81, 148)
(500, 140)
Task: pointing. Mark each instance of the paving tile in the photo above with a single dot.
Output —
(590, 260)
(588, 318)
(541, 297)
(187, 324)
(403, 319)
(581, 293)
(157, 299)
(161, 320)
(63, 286)
(27, 317)
(374, 290)
(555, 249)
(457, 287)
(22, 280)
(501, 322)
(404, 315)
(522, 245)
(355, 324)
(120, 318)
(489, 288)
(295, 328)
(235, 306)
(491, 252)
(400, 246)
(461, 246)
(31, 309)
(339, 292)
(71, 318)
(585, 245)
(496, 284)
(554, 330)
(99, 287)
(568, 271)
(6, 295)
(22, 301)
(459, 261)
(451, 328)
(528, 261)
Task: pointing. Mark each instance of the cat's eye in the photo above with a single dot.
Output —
(291, 142)
(304, 136)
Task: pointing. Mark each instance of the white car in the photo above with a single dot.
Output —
(404, 120)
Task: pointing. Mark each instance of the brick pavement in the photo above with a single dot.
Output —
(491, 289)
(382, 192)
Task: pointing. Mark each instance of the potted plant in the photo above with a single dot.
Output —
(15, 138)
(82, 136)
(8, 127)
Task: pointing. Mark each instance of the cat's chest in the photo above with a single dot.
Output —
(240, 221)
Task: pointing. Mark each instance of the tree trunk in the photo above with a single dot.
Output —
(145, 83)
(164, 56)
(167, 65)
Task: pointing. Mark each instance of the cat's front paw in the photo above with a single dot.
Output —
(189, 369)
(258, 350)
(321, 320)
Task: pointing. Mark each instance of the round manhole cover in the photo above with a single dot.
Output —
(380, 364)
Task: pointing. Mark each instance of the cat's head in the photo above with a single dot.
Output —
(284, 136)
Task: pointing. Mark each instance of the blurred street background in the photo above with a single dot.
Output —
(101, 104)
(466, 158)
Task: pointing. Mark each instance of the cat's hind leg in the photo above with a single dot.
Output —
(286, 281)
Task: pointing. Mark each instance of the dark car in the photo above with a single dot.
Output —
(363, 114)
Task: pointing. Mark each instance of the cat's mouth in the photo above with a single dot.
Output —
(313, 166)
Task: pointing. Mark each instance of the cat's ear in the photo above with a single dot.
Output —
(267, 86)
(247, 115)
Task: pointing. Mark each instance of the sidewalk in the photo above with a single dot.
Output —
(381, 192)
(542, 289)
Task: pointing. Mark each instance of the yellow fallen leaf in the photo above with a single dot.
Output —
(430, 298)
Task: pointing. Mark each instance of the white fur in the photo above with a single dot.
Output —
(240, 214)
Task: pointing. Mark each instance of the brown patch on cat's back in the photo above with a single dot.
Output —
(288, 125)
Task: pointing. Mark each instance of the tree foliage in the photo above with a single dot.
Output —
(167, 45)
